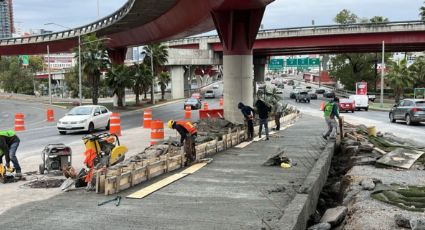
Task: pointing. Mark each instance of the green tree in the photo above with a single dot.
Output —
(378, 19)
(160, 57)
(163, 80)
(398, 78)
(142, 80)
(417, 72)
(118, 79)
(35, 63)
(346, 17)
(94, 59)
(422, 12)
(14, 77)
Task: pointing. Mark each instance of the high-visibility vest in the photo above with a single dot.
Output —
(188, 126)
(7, 133)
(328, 109)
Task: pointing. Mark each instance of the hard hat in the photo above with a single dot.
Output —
(170, 124)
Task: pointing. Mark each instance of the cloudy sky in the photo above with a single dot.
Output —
(33, 14)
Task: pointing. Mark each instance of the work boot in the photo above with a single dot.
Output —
(18, 175)
(324, 137)
(267, 139)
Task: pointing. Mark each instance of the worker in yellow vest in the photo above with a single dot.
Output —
(331, 111)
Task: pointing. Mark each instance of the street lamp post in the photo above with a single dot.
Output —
(153, 80)
(48, 71)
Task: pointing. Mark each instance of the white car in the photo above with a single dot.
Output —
(209, 94)
(84, 118)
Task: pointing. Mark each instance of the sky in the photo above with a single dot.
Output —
(33, 14)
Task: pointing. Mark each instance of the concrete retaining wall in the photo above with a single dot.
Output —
(304, 203)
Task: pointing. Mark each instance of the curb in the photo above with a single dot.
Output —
(380, 109)
(304, 203)
(154, 106)
(57, 106)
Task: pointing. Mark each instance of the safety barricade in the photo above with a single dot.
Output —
(322, 106)
(221, 102)
(211, 113)
(115, 124)
(147, 118)
(19, 122)
(157, 131)
(187, 112)
(50, 115)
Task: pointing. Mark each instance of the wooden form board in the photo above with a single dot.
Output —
(166, 181)
(137, 173)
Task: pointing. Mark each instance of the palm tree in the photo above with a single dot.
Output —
(163, 80)
(422, 12)
(417, 71)
(399, 78)
(159, 54)
(119, 78)
(142, 80)
(94, 59)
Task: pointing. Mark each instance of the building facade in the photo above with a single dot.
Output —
(6, 19)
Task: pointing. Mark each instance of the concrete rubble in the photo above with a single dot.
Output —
(334, 216)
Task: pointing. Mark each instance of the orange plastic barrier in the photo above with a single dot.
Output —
(322, 106)
(188, 112)
(115, 124)
(147, 118)
(157, 131)
(19, 122)
(212, 113)
(50, 115)
(221, 102)
(205, 105)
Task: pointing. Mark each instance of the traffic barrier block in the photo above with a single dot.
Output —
(50, 115)
(157, 131)
(147, 118)
(212, 113)
(115, 124)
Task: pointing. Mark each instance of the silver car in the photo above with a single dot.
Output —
(410, 110)
(209, 94)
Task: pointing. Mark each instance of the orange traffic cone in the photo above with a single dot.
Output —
(19, 122)
(147, 118)
(115, 124)
(157, 131)
(206, 106)
(187, 112)
(221, 102)
(322, 106)
(50, 115)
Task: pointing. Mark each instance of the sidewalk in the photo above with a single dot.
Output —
(233, 192)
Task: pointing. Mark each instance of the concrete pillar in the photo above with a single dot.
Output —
(259, 69)
(117, 55)
(177, 82)
(237, 30)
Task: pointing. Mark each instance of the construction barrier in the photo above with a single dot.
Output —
(205, 105)
(188, 112)
(147, 118)
(115, 124)
(157, 131)
(19, 122)
(212, 113)
(322, 106)
(221, 102)
(50, 115)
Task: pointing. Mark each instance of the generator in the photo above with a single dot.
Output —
(55, 157)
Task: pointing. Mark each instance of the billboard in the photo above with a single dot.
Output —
(361, 88)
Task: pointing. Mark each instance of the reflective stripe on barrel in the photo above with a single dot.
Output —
(19, 122)
(147, 118)
(115, 124)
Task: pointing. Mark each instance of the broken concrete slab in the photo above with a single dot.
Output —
(401, 158)
(417, 224)
(367, 184)
(320, 226)
(402, 220)
(334, 216)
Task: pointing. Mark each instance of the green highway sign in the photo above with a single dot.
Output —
(303, 62)
(314, 61)
(25, 59)
(275, 64)
(291, 62)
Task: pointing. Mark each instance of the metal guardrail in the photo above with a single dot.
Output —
(263, 33)
(82, 30)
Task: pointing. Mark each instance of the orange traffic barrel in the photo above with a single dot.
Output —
(115, 124)
(50, 115)
(19, 122)
(187, 112)
(157, 131)
(221, 102)
(322, 106)
(147, 118)
(206, 106)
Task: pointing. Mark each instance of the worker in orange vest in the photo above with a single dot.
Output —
(188, 133)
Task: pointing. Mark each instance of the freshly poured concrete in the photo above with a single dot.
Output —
(233, 192)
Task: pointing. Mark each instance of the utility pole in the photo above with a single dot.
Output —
(190, 80)
(48, 71)
(80, 90)
(382, 74)
(320, 70)
(153, 79)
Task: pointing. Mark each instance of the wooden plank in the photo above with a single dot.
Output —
(379, 150)
(156, 186)
(243, 144)
(194, 168)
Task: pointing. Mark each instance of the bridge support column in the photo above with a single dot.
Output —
(237, 30)
(117, 55)
(177, 82)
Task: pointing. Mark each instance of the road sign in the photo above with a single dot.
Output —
(303, 62)
(275, 64)
(25, 60)
(291, 62)
(314, 61)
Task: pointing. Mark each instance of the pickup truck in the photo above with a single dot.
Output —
(371, 97)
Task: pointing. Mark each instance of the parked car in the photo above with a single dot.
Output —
(361, 101)
(279, 91)
(194, 103)
(410, 110)
(291, 82)
(84, 118)
(302, 96)
(196, 95)
(329, 94)
(209, 94)
(312, 94)
(371, 97)
(346, 105)
(320, 91)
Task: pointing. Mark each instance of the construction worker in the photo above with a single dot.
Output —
(188, 134)
(9, 143)
(331, 111)
(248, 114)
